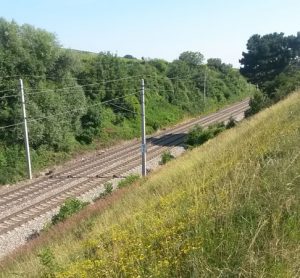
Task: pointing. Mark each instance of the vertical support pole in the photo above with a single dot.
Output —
(204, 86)
(25, 131)
(144, 146)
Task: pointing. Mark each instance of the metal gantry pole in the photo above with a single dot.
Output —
(26, 138)
(204, 85)
(144, 146)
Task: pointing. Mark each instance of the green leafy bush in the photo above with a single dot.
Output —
(108, 188)
(70, 206)
(128, 180)
(166, 157)
(199, 135)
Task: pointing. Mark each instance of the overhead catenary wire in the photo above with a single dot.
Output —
(105, 102)
(9, 96)
(82, 108)
(86, 85)
(69, 111)
(123, 108)
(72, 92)
(8, 90)
(77, 86)
(47, 77)
(12, 125)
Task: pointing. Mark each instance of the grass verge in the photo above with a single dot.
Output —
(228, 208)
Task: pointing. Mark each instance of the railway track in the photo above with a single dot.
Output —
(21, 204)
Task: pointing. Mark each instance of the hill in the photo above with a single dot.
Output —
(228, 208)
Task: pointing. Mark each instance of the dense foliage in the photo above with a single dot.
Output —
(166, 157)
(76, 99)
(69, 207)
(199, 135)
(272, 62)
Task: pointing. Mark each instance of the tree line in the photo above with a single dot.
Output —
(272, 63)
(76, 100)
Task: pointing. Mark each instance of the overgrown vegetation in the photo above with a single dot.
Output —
(199, 135)
(48, 263)
(229, 208)
(130, 179)
(77, 99)
(69, 207)
(166, 157)
(108, 189)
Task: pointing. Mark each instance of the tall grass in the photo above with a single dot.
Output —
(229, 208)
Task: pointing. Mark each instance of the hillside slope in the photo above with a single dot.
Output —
(229, 208)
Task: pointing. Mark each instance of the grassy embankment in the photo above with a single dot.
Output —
(229, 208)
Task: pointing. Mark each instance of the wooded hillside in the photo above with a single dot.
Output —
(77, 99)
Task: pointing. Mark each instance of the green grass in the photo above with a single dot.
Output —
(129, 180)
(230, 208)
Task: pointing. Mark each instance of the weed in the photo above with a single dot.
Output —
(108, 188)
(47, 260)
(166, 157)
(70, 206)
(128, 180)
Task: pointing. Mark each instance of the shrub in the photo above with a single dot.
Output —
(70, 206)
(108, 188)
(128, 180)
(166, 157)
(231, 123)
(199, 135)
(258, 102)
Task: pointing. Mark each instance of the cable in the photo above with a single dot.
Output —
(91, 84)
(8, 90)
(10, 96)
(79, 109)
(9, 126)
(66, 112)
(38, 91)
(122, 108)
(67, 93)
(9, 76)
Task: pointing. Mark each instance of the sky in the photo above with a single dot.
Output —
(157, 28)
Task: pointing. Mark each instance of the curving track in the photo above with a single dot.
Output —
(20, 204)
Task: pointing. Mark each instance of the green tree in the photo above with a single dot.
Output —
(267, 56)
(192, 58)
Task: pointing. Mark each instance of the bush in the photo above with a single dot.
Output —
(258, 102)
(199, 135)
(128, 180)
(166, 157)
(231, 123)
(108, 188)
(70, 206)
